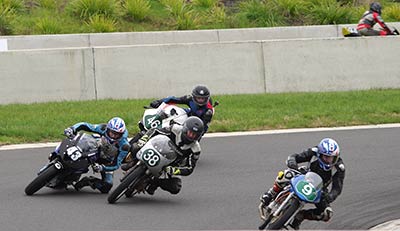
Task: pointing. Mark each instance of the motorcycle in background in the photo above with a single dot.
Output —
(352, 32)
(160, 117)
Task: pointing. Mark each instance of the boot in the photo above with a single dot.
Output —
(295, 224)
(151, 188)
(267, 197)
(85, 181)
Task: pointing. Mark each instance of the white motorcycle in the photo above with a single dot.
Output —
(158, 153)
(160, 117)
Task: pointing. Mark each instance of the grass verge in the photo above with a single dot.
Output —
(26, 123)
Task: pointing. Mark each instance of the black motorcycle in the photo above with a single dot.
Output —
(74, 157)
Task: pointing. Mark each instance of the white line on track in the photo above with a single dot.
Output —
(228, 134)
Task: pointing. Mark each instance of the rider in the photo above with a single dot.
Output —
(370, 18)
(114, 147)
(199, 102)
(324, 160)
(186, 138)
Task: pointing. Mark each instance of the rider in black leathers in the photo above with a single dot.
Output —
(186, 138)
(325, 161)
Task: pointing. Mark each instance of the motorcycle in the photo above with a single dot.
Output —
(159, 117)
(352, 32)
(153, 157)
(303, 188)
(74, 157)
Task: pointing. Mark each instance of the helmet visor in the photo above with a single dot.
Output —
(192, 136)
(113, 134)
(201, 100)
(329, 160)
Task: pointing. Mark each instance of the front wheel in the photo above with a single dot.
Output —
(278, 222)
(41, 180)
(132, 178)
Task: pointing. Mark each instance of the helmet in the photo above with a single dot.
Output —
(328, 153)
(115, 129)
(192, 130)
(201, 95)
(375, 7)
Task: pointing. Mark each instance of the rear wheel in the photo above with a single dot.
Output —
(131, 179)
(41, 180)
(278, 222)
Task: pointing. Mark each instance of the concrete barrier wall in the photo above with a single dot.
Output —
(165, 37)
(149, 71)
(332, 64)
(46, 75)
(162, 70)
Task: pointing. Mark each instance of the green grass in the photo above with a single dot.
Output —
(23, 17)
(46, 121)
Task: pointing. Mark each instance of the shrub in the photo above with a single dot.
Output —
(392, 13)
(47, 4)
(6, 15)
(48, 26)
(137, 9)
(100, 23)
(176, 7)
(15, 5)
(207, 4)
(187, 20)
(330, 12)
(261, 13)
(216, 17)
(85, 9)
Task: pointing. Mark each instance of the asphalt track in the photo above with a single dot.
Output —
(223, 192)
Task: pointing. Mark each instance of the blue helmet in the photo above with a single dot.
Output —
(328, 153)
(115, 129)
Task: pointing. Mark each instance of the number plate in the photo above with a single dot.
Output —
(74, 153)
(151, 158)
(307, 190)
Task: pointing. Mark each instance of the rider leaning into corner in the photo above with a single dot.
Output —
(186, 138)
(370, 18)
(114, 148)
(199, 102)
(324, 160)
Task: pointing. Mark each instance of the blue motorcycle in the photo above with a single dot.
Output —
(304, 187)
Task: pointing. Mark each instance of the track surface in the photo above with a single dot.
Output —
(223, 192)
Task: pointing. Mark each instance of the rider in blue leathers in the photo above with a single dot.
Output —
(114, 147)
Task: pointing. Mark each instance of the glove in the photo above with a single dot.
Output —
(291, 163)
(327, 214)
(98, 167)
(155, 103)
(69, 132)
(143, 140)
(172, 171)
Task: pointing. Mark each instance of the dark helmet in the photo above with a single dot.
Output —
(193, 128)
(376, 7)
(201, 95)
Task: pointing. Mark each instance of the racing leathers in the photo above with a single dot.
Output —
(188, 154)
(367, 22)
(109, 157)
(205, 113)
(333, 177)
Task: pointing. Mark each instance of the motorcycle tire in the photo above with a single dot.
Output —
(41, 180)
(285, 215)
(131, 179)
